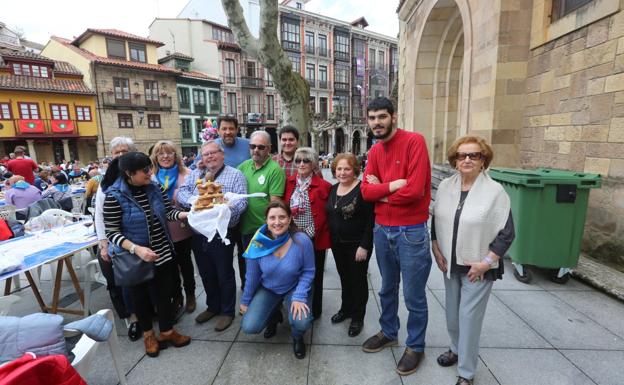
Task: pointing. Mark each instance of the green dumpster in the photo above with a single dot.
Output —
(549, 208)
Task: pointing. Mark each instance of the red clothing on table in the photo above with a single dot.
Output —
(28, 370)
(404, 156)
(318, 193)
(24, 167)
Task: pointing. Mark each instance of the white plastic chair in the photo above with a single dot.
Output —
(77, 202)
(86, 349)
(6, 302)
(7, 212)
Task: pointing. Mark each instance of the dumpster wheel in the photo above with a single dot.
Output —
(559, 276)
(524, 278)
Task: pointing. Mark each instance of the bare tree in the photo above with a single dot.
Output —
(293, 89)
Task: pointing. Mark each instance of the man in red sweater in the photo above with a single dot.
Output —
(398, 180)
(22, 166)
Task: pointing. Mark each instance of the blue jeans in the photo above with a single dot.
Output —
(404, 250)
(261, 309)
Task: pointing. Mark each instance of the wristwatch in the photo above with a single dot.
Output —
(487, 259)
(132, 249)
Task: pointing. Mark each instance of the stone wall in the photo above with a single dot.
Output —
(574, 119)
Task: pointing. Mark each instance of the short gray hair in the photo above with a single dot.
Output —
(263, 134)
(206, 143)
(307, 153)
(122, 141)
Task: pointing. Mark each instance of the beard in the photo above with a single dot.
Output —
(383, 135)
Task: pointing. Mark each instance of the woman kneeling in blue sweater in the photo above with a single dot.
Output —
(280, 267)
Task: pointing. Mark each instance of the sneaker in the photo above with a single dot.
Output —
(377, 343)
(134, 331)
(223, 322)
(204, 316)
(447, 358)
(408, 364)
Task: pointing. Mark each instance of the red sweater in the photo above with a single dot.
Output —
(318, 193)
(404, 156)
(24, 167)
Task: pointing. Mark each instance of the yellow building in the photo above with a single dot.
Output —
(46, 107)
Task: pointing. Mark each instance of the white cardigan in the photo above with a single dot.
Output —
(484, 215)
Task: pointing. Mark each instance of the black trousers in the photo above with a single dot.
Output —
(236, 237)
(115, 292)
(353, 279)
(317, 297)
(161, 285)
(184, 265)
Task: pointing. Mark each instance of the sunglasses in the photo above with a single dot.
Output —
(300, 160)
(471, 155)
(147, 169)
(260, 147)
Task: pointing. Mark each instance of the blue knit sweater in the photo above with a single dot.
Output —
(280, 275)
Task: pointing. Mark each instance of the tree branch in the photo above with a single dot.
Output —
(236, 20)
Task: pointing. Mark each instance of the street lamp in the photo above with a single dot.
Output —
(141, 116)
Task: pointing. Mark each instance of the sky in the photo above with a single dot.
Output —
(39, 19)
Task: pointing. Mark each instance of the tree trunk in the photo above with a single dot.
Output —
(293, 89)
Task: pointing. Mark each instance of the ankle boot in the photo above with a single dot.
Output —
(271, 329)
(299, 347)
(172, 337)
(152, 347)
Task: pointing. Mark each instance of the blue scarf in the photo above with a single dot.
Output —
(62, 187)
(262, 245)
(167, 177)
(22, 185)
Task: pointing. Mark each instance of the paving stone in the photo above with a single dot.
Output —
(102, 371)
(430, 372)
(205, 332)
(349, 365)
(252, 363)
(532, 366)
(336, 334)
(604, 367)
(558, 322)
(282, 337)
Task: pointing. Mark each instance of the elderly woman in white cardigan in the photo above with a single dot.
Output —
(472, 228)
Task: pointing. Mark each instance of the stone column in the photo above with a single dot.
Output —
(66, 154)
(363, 140)
(31, 149)
(332, 147)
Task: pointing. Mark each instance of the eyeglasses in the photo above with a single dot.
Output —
(260, 147)
(300, 160)
(471, 155)
(164, 154)
(210, 153)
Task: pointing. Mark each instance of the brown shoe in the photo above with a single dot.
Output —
(191, 304)
(409, 362)
(152, 347)
(223, 322)
(204, 316)
(172, 337)
(377, 343)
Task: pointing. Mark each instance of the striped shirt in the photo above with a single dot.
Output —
(158, 238)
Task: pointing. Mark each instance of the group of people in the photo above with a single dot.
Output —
(143, 201)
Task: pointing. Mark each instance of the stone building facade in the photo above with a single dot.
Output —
(542, 80)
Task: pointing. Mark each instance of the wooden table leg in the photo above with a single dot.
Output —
(35, 290)
(7, 285)
(74, 278)
(57, 286)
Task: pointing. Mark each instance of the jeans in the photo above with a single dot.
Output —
(214, 262)
(404, 250)
(262, 307)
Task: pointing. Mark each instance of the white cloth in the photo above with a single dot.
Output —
(100, 229)
(484, 214)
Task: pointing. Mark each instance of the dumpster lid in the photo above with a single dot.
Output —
(540, 177)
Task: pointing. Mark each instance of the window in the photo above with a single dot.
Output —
(295, 60)
(309, 42)
(5, 111)
(125, 120)
(116, 49)
(122, 88)
(290, 35)
(269, 79)
(371, 58)
(153, 121)
(29, 110)
(323, 108)
(270, 107)
(322, 45)
(310, 74)
(184, 98)
(137, 52)
(313, 104)
(299, 5)
(322, 75)
(151, 90)
(341, 47)
(59, 111)
(563, 7)
(187, 131)
(214, 101)
(199, 101)
(30, 70)
(341, 74)
(223, 35)
(251, 69)
(83, 113)
(382, 59)
(252, 103)
(231, 103)
(230, 71)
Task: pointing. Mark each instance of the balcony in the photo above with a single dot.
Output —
(135, 101)
(199, 108)
(311, 83)
(46, 128)
(291, 46)
(338, 86)
(230, 80)
(251, 82)
(323, 52)
(322, 84)
(343, 56)
(310, 50)
(251, 118)
(184, 106)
